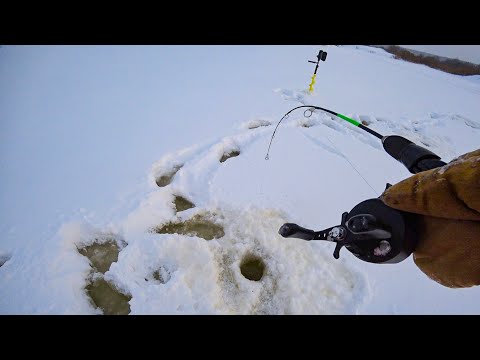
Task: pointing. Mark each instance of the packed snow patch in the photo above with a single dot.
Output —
(306, 122)
(250, 270)
(256, 123)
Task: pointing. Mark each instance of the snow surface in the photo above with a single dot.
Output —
(86, 131)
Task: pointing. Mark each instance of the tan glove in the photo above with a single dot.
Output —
(447, 200)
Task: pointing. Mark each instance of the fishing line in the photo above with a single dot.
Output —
(308, 113)
(353, 166)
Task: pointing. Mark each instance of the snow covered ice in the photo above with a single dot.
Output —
(163, 175)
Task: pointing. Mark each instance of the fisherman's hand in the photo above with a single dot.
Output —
(447, 201)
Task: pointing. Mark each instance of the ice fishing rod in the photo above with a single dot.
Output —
(414, 157)
(372, 231)
(322, 55)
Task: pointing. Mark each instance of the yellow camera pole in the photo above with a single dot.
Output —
(322, 55)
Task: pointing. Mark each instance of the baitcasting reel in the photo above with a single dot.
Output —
(371, 231)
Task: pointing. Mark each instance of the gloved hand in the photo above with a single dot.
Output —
(447, 201)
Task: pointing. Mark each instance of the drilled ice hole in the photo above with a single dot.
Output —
(252, 267)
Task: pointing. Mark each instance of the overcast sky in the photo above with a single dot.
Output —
(469, 53)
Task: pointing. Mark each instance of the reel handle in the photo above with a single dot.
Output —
(290, 230)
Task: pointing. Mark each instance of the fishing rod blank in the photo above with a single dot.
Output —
(415, 158)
